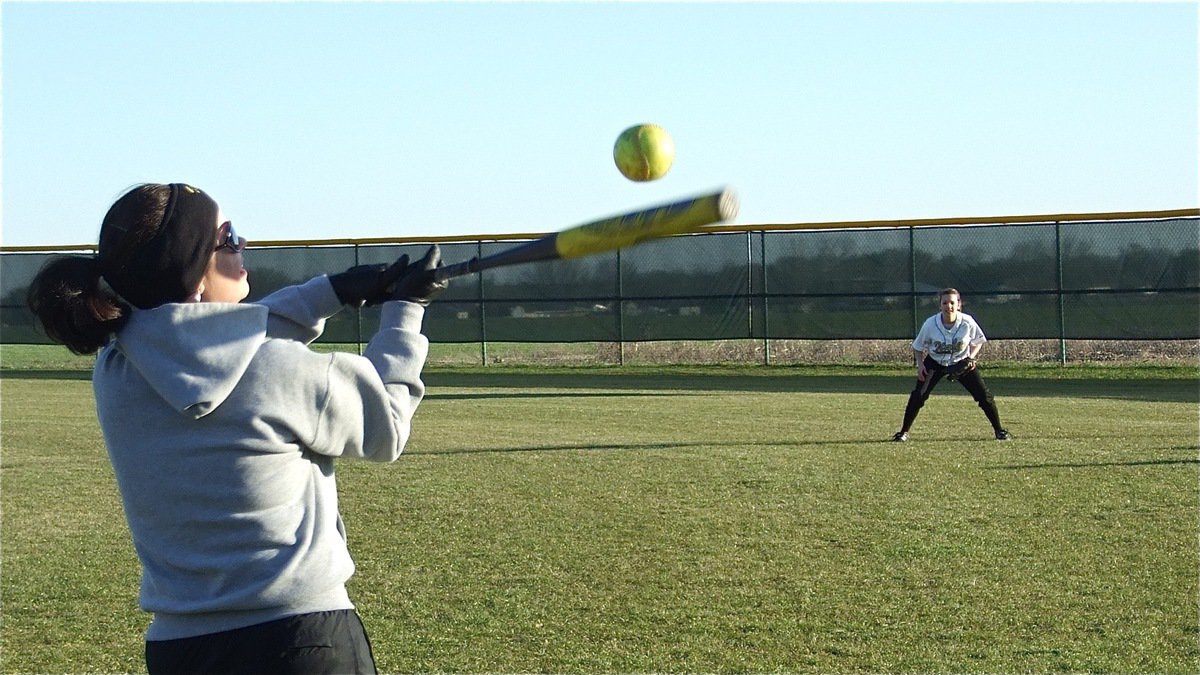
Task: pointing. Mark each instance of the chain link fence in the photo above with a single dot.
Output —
(1101, 279)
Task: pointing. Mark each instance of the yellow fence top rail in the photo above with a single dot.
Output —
(831, 225)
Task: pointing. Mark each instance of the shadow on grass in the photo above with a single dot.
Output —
(768, 381)
(1095, 465)
(641, 447)
(45, 374)
(636, 447)
(1165, 390)
(544, 394)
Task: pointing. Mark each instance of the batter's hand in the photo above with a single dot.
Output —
(360, 285)
(416, 283)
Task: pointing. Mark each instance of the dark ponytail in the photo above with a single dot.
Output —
(156, 242)
(73, 306)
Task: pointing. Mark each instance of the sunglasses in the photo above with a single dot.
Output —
(231, 240)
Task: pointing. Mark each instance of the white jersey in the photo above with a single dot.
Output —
(948, 344)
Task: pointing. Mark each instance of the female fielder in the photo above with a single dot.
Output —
(946, 346)
(222, 427)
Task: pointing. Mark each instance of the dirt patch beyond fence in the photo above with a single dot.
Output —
(791, 352)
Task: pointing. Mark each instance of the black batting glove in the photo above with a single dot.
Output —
(368, 285)
(416, 282)
(360, 285)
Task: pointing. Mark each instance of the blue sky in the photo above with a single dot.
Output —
(318, 120)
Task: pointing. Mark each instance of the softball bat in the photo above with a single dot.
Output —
(609, 234)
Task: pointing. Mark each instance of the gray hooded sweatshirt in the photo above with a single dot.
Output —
(222, 427)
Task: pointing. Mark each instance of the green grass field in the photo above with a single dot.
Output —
(703, 519)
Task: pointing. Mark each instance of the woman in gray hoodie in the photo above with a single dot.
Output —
(222, 427)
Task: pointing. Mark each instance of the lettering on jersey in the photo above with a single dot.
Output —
(949, 348)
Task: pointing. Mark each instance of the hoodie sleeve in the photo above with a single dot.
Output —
(370, 400)
(299, 312)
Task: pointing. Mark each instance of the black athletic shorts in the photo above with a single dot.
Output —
(308, 644)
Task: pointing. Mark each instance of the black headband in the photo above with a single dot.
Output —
(169, 264)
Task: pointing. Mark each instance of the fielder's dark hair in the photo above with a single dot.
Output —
(81, 301)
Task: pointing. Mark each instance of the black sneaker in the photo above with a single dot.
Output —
(902, 436)
(1002, 435)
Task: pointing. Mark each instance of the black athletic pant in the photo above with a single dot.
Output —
(972, 381)
(306, 644)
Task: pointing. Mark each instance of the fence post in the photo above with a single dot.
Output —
(912, 280)
(483, 356)
(1058, 281)
(762, 279)
(358, 311)
(620, 312)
